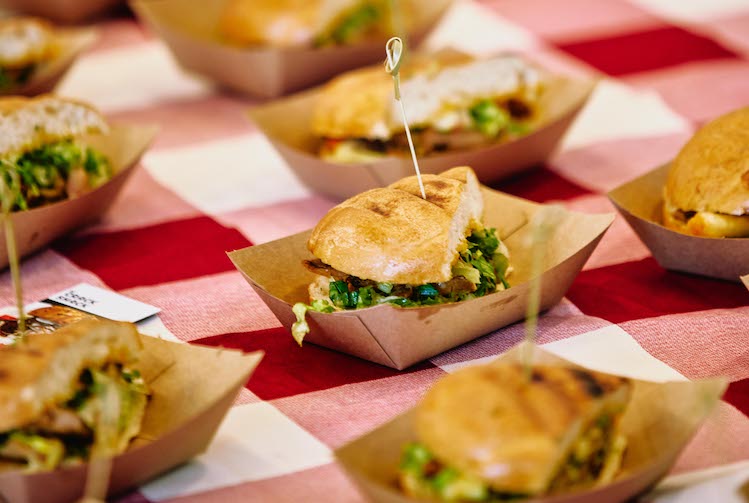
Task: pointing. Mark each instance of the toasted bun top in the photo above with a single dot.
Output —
(43, 369)
(25, 41)
(393, 235)
(360, 104)
(278, 22)
(27, 123)
(490, 421)
(711, 173)
(282, 23)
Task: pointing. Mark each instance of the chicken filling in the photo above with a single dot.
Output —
(102, 415)
(53, 172)
(484, 123)
(594, 459)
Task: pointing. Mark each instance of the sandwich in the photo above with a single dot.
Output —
(308, 23)
(494, 432)
(452, 101)
(70, 393)
(44, 155)
(707, 190)
(25, 43)
(391, 246)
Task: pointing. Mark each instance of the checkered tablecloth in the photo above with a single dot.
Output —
(212, 183)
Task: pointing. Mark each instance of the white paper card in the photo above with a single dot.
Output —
(104, 303)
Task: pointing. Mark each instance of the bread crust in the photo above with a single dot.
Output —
(491, 422)
(357, 103)
(291, 23)
(277, 22)
(393, 235)
(27, 41)
(28, 123)
(437, 91)
(711, 172)
(43, 369)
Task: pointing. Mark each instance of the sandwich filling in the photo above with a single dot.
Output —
(593, 459)
(101, 415)
(11, 78)
(53, 172)
(706, 223)
(24, 44)
(352, 25)
(480, 269)
(452, 108)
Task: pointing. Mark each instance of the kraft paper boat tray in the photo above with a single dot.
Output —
(192, 389)
(399, 337)
(294, 140)
(640, 202)
(660, 420)
(36, 228)
(71, 43)
(190, 29)
(61, 11)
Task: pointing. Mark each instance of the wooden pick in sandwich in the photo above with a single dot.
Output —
(6, 204)
(544, 222)
(394, 52)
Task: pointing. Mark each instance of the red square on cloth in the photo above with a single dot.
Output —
(170, 251)
(737, 395)
(642, 289)
(541, 185)
(288, 370)
(646, 50)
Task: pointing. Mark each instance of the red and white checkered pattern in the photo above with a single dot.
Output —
(212, 183)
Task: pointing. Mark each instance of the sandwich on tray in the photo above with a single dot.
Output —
(68, 393)
(309, 23)
(452, 101)
(391, 246)
(707, 191)
(44, 157)
(499, 432)
(25, 43)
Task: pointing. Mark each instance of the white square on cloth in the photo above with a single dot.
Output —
(692, 10)
(489, 33)
(256, 441)
(225, 175)
(609, 349)
(617, 111)
(130, 77)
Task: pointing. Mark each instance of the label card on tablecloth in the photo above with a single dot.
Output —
(104, 303)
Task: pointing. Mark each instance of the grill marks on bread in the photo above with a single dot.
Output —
(393, 235)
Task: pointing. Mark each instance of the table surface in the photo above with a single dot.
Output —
(211, 183)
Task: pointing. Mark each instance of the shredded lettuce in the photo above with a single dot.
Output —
(491, 120)
(421, 475)
(48, 451)
(111, 407)
(351, 25)
(300, 328)
(482, 263)
(40, 176)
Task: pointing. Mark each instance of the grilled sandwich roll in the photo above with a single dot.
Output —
(25, 43)
(68, 393)
(489, 432)
(452, 101)
(391, 246)
(707, 190)
(294, 23)
(43, 152)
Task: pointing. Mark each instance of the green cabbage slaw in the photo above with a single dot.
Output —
(40, 176)
(482, 263)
